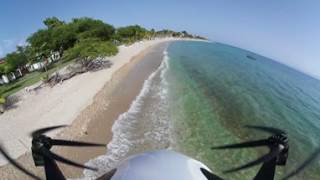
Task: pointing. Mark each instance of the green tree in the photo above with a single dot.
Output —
(16, 59)
(91, 28)
(41, 42)
(63, 37)
(89, 49)
(56, 35)
(52, 22)
(129, 34)
(6, 68)
(165, 33)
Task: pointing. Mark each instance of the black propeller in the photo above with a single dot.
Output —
(270, 130)
(42, 156)
(48, 154)
(248, 144)
(307, 162)
(277, 143)
(61, 142)
(17, 165)
(41, 131)
(265, 158)
(42, 144)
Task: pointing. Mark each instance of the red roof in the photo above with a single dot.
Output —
(2, 61)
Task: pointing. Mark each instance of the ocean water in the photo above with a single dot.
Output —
(203, 94)
(215, 90)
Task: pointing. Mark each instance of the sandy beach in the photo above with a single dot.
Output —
(77, 102)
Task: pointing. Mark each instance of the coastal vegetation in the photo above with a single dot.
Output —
(81, 39)
(90, 49)
(2, 104)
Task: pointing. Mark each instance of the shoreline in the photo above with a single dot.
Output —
(110, 103)
(80, 126)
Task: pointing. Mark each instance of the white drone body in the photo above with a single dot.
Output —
(160, 165)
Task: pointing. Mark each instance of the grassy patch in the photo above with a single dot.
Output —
(29, 79)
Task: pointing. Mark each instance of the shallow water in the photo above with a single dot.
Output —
(216, 89)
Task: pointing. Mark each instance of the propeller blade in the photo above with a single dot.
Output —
(209, 175)
(56, 157)
(44, 130)
(267, 129)
(307, 162)
(61, 142)
(248, 144)
(17, 165)
(265, 158)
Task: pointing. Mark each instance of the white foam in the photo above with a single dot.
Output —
(125, 139)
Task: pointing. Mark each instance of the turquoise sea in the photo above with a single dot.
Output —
(215, 90)
(203, 94)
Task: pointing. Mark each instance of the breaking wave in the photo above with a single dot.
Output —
(145, 126)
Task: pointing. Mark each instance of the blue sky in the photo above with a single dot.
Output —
(285, 30)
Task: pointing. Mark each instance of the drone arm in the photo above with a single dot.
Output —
(52, 170)
(267, 170)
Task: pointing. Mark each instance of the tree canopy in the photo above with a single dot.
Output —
(130, 34)
(80, 38)
(91, 28)
(14, 60)
(60, 35)
(89, 49)
(52, 22)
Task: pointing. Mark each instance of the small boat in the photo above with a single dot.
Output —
(251, 57)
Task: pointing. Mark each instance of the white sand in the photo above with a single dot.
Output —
(59, 105)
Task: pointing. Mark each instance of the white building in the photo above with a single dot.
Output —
(55, 56)
(35, 66)
(5, 79)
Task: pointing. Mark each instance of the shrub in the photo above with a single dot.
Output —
(90, 49)
(2, 100)
(45, 77)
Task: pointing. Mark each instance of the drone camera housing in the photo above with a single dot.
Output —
(282, 158)
(38, 159)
